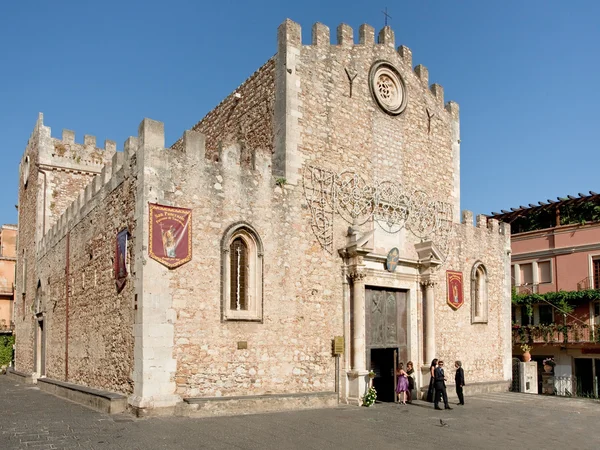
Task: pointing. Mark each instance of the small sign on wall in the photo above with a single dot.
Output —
(455, 297)
(338, 345)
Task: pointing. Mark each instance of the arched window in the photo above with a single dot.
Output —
(479, 293)
(238, 263)
(242, 273)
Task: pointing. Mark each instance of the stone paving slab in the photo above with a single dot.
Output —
(32, 419)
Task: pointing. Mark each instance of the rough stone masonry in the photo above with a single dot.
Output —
(325, 202)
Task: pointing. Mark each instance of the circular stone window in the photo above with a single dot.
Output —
(25, 171)
(387, 87)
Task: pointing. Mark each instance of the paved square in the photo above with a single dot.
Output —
(32, 419)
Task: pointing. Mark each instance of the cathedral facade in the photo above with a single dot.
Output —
(290, 249)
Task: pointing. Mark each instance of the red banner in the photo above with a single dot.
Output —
(455, 289)
(170, 235)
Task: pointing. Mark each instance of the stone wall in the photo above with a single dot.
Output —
(339, 124)
(100, 319)
(81, 215)
(30, 195)
(483, 348)
(67, 168)
(290, 350)
(245, 116)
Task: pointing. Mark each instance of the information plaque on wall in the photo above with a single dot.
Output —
(338, 345)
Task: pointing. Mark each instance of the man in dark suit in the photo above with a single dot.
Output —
(459, 379)
(440, 386)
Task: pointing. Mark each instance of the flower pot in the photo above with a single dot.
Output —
(526, 356)
(548, 368)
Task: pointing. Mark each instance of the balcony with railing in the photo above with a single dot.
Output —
(585, 284)
(6, 327)
(534, 288)
(555, 334)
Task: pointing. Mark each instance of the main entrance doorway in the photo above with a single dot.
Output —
(386, 336)
(383, 363)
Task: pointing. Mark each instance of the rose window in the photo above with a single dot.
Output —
(388, 88)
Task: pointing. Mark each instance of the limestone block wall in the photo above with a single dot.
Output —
(30, 193)
(67, 168)
(56, 171)
(245, 116)
(339, 124)
(483, 348)
(88, 324)
(290, 350)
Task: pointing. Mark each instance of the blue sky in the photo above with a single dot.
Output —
(525, 74)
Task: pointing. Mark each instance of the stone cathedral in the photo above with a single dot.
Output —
(303, 234)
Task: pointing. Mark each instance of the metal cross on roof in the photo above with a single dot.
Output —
(387, 16)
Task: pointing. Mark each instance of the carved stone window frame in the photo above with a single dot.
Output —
(479, 293)
(249, 235)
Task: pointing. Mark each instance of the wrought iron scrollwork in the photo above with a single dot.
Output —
(386, 202)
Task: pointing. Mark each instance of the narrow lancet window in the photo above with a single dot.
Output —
(239, 275)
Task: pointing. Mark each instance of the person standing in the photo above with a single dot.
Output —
(410, 370)
(402, 386)
(431, 389)
(440, 386)
(459, 380)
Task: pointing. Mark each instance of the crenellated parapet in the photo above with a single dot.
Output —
(485, 223)
(111, 175)
(189, 155)
(67, 154)
(290, 35)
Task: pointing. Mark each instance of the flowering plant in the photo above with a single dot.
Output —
(549, 362)
(371, 374)
(370, 397)
(525, 348)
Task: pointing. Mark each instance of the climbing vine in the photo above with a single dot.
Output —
(6, 345)
(563, 300)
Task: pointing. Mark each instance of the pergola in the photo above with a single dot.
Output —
(547, 206)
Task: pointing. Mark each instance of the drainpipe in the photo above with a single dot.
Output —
(67, 275)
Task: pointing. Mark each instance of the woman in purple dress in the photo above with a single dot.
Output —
(402, 386)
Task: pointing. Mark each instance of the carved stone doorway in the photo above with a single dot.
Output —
(386, 337)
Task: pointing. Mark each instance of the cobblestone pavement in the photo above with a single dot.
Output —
(32, 419)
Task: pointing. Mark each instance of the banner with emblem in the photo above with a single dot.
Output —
(121, 259)
(455, 288)
(170, 235)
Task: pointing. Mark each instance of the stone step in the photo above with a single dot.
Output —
(103, 401)
(255, 404)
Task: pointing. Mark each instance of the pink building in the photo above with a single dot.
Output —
(8, 257)
(556, 290)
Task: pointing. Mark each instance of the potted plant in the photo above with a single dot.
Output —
(526, 355)
(549, 364)
(371, 374)
(370, 397)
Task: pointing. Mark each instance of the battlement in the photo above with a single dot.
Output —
(67, 153)
(290, 35)
(150, 139)
(482, 222)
